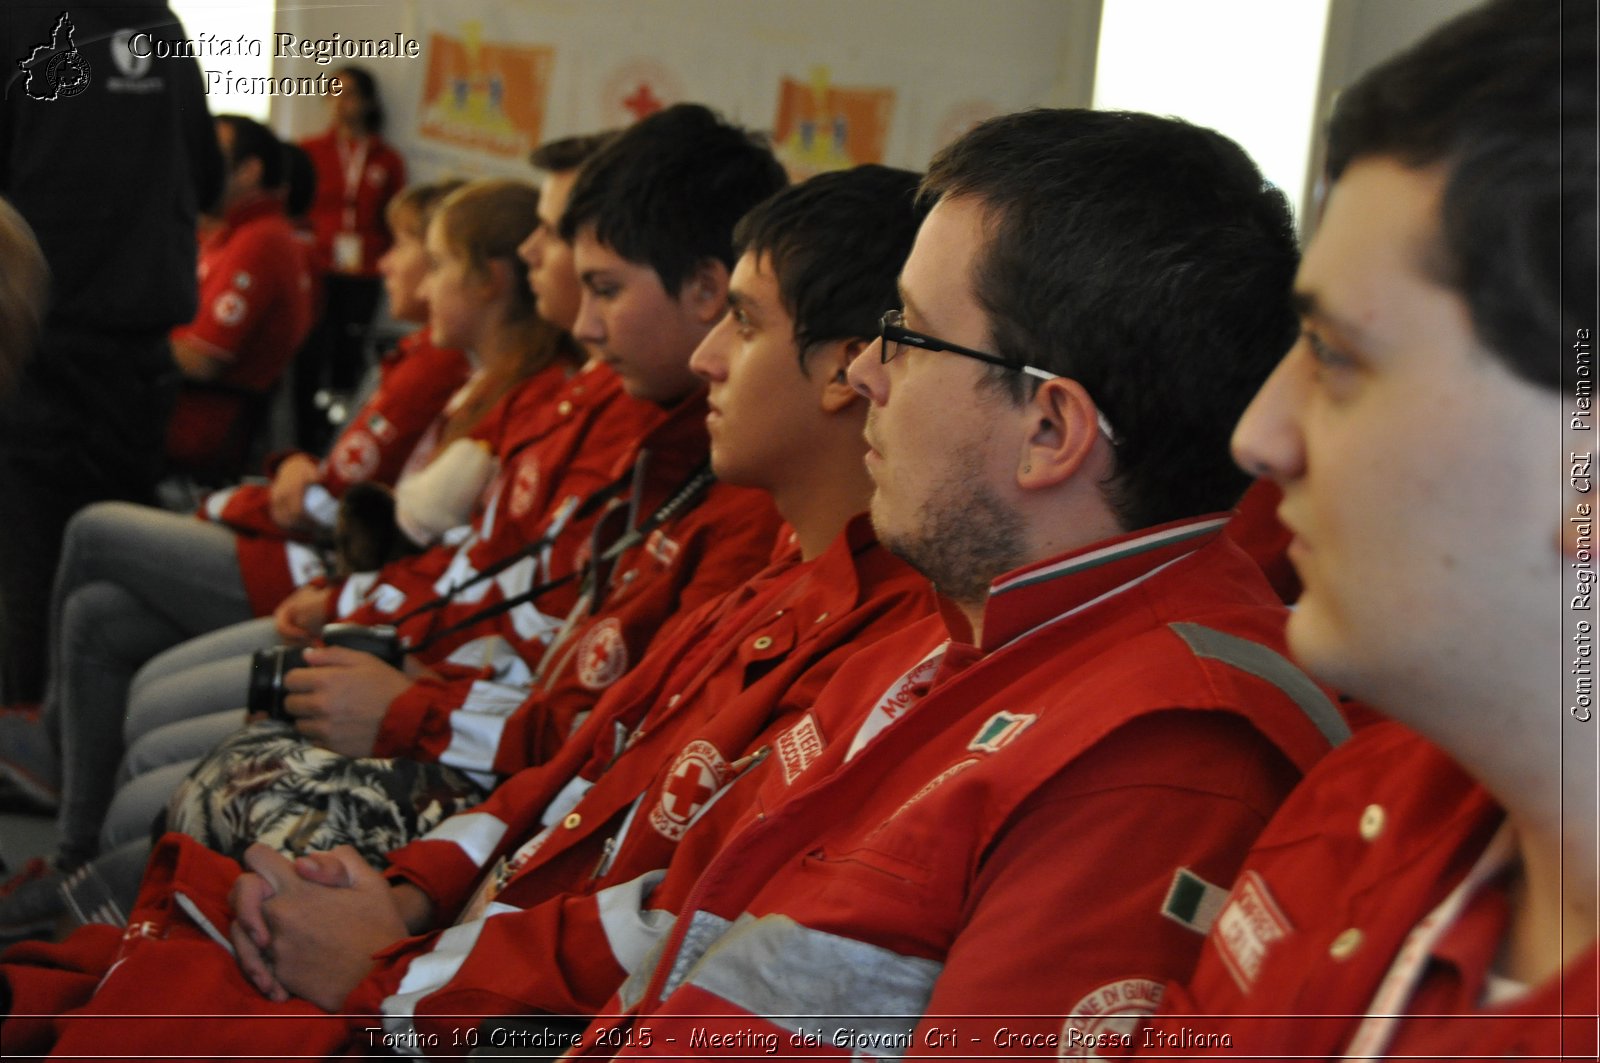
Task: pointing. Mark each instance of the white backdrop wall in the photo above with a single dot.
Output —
(942, 63)
(945, 63)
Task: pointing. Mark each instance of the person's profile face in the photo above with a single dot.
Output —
(1416, 468)
(762, 408)
(403, 268)
(457, 296)
(551, 273)
(938, 457)
(631, 323)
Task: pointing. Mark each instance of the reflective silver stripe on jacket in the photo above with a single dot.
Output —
(477, 834)
(1271, 667)
(703, 929)
(792, 975)
(632, 930)
(431, 972)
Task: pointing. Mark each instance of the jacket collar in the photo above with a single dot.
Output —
(1053, 589)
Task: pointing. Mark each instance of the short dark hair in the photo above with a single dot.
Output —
(566, 154)
(836, 243)
(252, 140)
(1503, 97)
(669, 189)
(366, 87)
(1145, 258)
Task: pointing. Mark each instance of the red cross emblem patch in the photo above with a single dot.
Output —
(356, 457)
(525, 486)
(694, 780)
(602, 655)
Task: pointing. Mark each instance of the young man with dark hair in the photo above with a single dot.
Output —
(1025, 808)
(1430, 889)
(642, 242)
(539, 900)
(603, 524)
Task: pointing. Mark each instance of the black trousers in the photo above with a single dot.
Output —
(86, 423)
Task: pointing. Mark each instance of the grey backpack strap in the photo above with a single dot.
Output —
(1269, 666)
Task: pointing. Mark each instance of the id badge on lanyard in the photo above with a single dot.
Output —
(347, 257)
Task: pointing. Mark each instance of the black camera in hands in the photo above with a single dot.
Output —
(268, 667)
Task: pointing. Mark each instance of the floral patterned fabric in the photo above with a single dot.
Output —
(267, 784)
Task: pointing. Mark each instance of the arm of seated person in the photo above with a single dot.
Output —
(295, 474)
(302, 615)
(339, 701)
(198, 359)
(321, 938)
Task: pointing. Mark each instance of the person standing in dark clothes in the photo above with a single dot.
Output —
(110, 156)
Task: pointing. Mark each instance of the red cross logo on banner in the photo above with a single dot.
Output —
(642, 103)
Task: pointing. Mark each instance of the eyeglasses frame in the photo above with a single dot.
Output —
(891, 330)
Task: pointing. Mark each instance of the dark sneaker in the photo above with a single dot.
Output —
(31, 902)
(30, 770)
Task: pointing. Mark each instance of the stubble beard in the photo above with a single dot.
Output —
(963, 538)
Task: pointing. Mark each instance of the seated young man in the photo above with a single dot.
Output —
(1026, 807)
(1429, 891)
(523, 905)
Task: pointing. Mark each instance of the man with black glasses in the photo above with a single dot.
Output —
(1028, 808)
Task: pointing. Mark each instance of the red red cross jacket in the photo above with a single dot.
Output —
(1036, 828)
(542, 672)
(416, 380)
(733, 680)
(1376, 890)
(255, 304)
(554, 441)
(354, 185)
(571, 856)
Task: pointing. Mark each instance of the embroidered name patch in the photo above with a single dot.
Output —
(1109, 1017)
(1250, 924)
(798, 747)
(661, 548)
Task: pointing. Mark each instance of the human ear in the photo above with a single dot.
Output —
(829, 366)
(1061, 434)
(705, 291)
(497, 278)
(249, 171)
